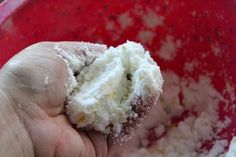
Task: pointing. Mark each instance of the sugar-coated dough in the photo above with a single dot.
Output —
(104, 96)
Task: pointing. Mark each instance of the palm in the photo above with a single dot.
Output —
(36, 79)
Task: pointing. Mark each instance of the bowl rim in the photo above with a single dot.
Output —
(9, 7)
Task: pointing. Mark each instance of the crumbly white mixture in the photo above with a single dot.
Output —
(169, 48)
(151, 19)
(184, 138)
(232, 148)
(75, 60)
(104, 92)
(217, 150)
(146, 36)
(125, 20)
(197, 96)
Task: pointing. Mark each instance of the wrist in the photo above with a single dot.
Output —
(14, 138)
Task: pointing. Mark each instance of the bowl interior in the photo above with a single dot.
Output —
(190, 38)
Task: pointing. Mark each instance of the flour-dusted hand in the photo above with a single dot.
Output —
(99, 89)
(34, 85)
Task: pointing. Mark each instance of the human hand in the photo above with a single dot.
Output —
(35, 81)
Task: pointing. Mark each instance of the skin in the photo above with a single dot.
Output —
(32, 119)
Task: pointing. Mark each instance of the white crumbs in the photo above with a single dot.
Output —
(194, 13)
(125, 20)
(110, 25)
(152, 20)
(190, 66)
(223, 124)
(230, 90)
(146, 36)
(232, 148)
(196, 102)
(217, 149)
(216, 49)
(168, 48)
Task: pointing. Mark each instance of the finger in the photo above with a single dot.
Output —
(37, 78)
(92, 47)
(78, 54)
(46, 75)
(89, 150)
(73, 143)
(68, 45)
(99, 142)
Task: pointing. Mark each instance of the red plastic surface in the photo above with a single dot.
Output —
(9, 7)
(199, 24)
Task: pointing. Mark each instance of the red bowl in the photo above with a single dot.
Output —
(200, 28)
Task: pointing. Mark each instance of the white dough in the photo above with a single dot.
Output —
(101, 99)
(232, 148)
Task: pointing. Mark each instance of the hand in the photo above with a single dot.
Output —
(35, 81)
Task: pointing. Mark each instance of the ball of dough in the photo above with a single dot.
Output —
(111, 92)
